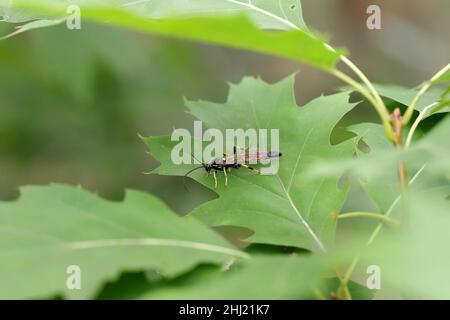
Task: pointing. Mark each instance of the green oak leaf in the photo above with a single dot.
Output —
(241, 30)
(415, 262)
(266, 14)
(11, 12)
(405, 96)
(428, 170)
(284, 277)
(443, 78)
(53, 227)
(383, 188)
(444, 101)
(282, 209)
(37, 24)
(429, 153)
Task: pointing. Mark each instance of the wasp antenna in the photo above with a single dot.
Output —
(192, 155)
(187, 174)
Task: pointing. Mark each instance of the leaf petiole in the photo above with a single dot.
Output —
(374, 215)
(425, 87)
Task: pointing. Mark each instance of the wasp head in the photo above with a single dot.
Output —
(207, 166)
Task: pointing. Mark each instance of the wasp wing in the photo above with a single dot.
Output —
(251, 157)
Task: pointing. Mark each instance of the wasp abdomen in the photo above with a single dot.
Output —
(274, 154)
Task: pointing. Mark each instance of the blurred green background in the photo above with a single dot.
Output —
(73, 102)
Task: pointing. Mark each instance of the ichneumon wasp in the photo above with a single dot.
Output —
(227, 162)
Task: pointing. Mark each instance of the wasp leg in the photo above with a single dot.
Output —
(250, 168)
(215, 179)
(226, 176)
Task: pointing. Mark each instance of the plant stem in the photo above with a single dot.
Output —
(402, 176)
(416, 123)
(319, 295)
(374, 215)
(363, 77)
(379, 108)
(396, 120)
(376, 231)
(371, 95)
(425, 87)
(343, 292)
(374, 98)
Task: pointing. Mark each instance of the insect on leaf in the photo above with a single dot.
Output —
(281, 209)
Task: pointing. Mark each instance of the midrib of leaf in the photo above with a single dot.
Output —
(297, 212)
(136, 242)
(141, 241)
(302, 220)
(274, 16)
(294, 207)
(78, 245)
